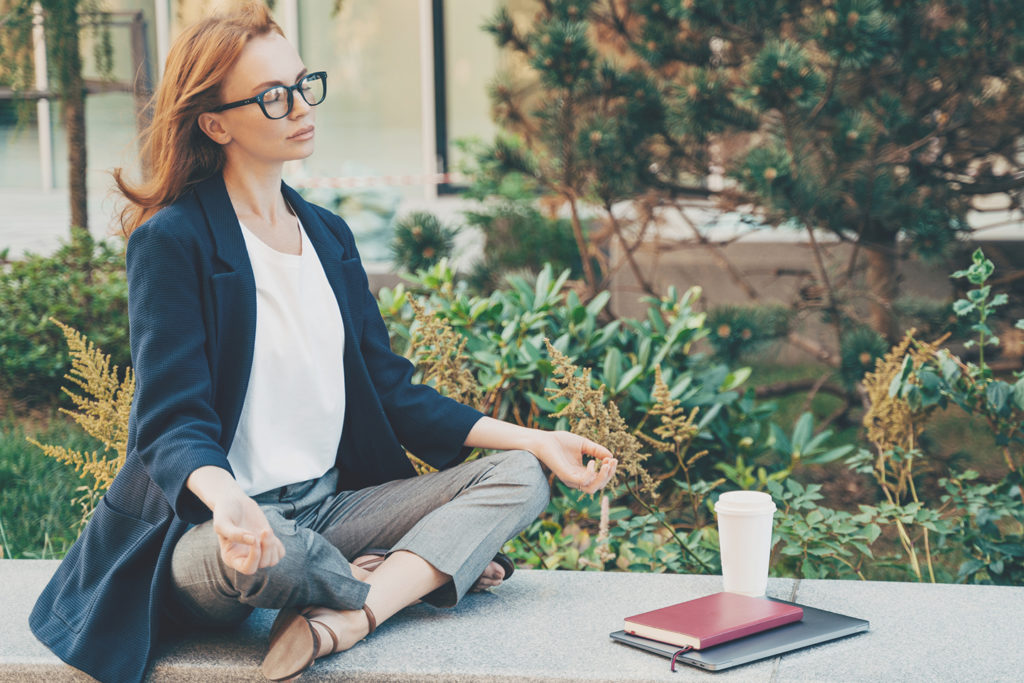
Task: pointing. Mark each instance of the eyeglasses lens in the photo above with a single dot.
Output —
(275, 101)
(313, 89)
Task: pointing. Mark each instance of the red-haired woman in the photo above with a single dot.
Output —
(270, 418)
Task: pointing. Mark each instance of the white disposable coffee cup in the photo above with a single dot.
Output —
(745, 540)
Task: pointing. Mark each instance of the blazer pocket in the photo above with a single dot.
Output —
(102, 564)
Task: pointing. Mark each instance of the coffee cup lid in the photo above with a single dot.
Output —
(745, 503)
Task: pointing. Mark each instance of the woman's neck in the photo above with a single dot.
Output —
(256, 194)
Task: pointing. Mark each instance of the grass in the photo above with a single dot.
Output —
(37, 519)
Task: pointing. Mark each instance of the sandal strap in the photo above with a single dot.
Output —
(372, 620)
(330, 632)
(371, 564)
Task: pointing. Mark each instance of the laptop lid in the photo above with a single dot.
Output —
(817, 626)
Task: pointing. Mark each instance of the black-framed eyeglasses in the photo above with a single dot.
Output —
(276, 102)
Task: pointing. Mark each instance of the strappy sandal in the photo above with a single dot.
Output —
(294, 643)
(380, 553)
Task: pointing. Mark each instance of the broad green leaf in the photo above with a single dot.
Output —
(996, 394)
(802, 432)
(1018, 393)
(708, 415)
(829, 456)
(612, 367)
(643, 352)
(900, 378)
(949, 367)
(736, 378)
(962, 307)
(779, 441)
(976, 296)
(598, 303)
(628, 378)
(541, 289)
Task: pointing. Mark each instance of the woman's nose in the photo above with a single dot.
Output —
(300, 107)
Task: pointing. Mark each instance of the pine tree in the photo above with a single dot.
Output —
(876, 120)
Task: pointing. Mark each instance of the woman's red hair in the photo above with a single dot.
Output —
(176, 154)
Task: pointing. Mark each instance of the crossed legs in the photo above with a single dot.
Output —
(443, 529)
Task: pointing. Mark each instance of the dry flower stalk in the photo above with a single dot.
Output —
(101, 410)
(889, 420)
(894, 427)
(591, 417)
(438, 352)
(675, 433)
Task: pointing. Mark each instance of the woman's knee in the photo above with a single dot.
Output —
(195, 554)
(524, 470)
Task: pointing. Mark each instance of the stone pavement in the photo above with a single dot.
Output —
(554, 626)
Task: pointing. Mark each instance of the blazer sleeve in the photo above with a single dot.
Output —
(177, 429)
(433, 427)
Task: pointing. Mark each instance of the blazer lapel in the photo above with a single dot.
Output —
(343, 271)
(234, 300)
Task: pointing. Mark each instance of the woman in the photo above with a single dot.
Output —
(270, 418)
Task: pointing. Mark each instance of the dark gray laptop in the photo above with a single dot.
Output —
(817, 626)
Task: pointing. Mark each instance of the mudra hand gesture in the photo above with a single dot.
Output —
(563, 453)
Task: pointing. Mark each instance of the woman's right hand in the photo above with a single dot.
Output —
(247, 542)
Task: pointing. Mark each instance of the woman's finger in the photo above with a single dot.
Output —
(603, 477)
(252, 559)
(274, 550)
(589, 475)
(595, 450)
(234, 534)
(268, 558)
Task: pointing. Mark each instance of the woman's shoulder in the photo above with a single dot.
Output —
(182, 220)
(175, 232)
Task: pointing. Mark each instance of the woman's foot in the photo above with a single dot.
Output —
(300, 637)
(492, 575)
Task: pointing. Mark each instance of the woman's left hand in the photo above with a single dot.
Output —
(563, 453)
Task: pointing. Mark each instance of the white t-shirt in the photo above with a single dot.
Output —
(294, 407)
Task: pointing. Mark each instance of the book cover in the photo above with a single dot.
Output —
(713, 619)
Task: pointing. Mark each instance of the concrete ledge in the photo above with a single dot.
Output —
(553, 626)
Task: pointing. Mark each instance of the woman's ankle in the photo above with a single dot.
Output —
(350, 626)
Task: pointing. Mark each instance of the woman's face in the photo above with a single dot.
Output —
(249, 137)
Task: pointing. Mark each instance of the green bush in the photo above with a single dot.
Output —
(505, 334)
(83, 285)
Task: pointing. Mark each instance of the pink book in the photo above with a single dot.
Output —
(713, 619)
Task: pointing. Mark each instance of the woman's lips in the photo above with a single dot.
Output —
(304, 134)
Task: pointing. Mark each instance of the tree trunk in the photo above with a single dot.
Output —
(74, 121)
(883, 286)
(63, 38)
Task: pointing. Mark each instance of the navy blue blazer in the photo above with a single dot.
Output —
(192, 311)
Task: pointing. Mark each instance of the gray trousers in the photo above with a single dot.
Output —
(455, 519)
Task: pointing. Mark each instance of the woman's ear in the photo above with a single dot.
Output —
(211, 125)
